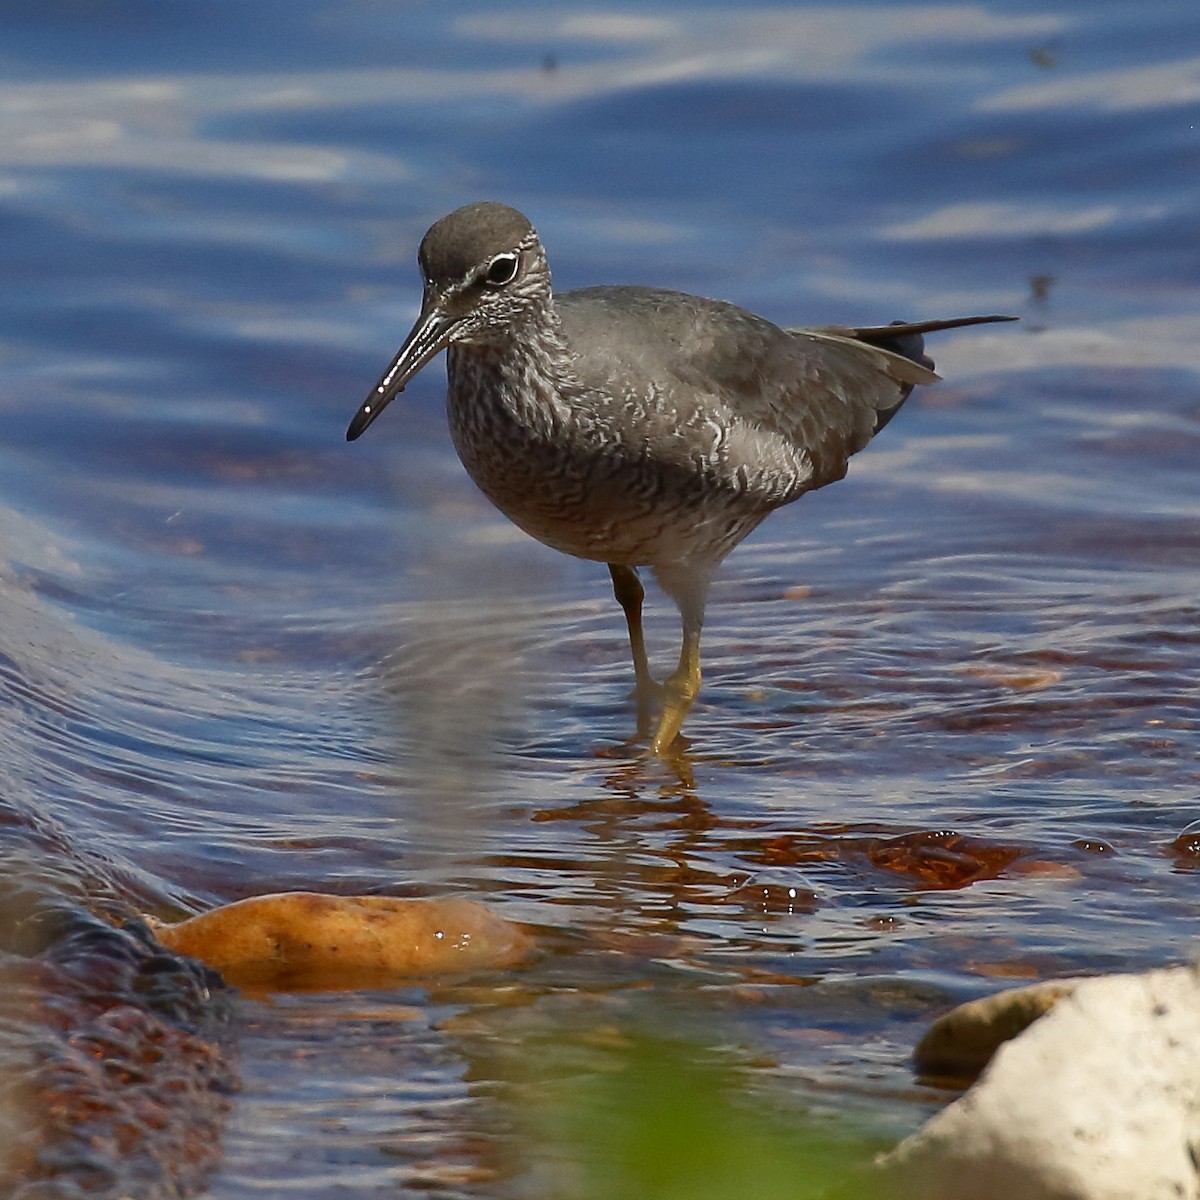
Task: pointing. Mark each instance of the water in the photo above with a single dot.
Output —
(949, 731)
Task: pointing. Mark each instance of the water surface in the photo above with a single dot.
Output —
(949, 732)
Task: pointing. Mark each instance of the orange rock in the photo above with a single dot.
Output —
(310, 941)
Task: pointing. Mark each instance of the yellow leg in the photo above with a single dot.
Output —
(627, 588)
(680, 690)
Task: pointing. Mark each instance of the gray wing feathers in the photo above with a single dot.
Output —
(793, 405)
(844, 391)
(895, 366)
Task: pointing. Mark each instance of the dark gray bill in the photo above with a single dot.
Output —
(426, 338)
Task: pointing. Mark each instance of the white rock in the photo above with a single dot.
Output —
(1097, 1100)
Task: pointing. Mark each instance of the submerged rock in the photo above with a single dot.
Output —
(114, 1079)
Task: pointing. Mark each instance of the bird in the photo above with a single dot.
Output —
(636, 426)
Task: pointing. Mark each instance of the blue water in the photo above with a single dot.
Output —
(238, 655)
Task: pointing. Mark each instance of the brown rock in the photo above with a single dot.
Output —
(310, 941)
(961, 1043)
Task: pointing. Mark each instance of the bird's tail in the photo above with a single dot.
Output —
(907, 339)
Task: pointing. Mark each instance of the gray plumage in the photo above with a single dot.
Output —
(636, 426)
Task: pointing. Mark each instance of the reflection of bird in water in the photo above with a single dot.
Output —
(639, 427)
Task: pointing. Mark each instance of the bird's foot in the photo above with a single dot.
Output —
(661, 708)
(650, 698)
(679, 692)
(637, 754)
(675, 751)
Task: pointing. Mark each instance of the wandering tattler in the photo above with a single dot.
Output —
(639, 427)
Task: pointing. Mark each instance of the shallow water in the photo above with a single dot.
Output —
(949, 734)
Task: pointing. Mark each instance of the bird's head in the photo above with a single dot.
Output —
(484, 272)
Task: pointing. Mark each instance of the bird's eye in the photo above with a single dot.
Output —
(501, 270)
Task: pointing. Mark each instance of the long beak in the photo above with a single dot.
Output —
(427, 337)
